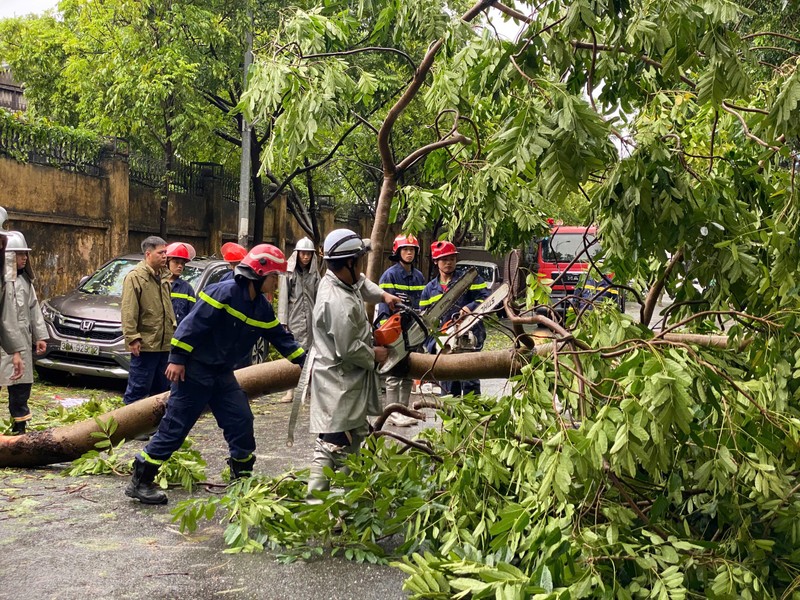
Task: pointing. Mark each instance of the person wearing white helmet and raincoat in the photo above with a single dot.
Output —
(297, 294)
(29, 323)
(343, 378)
(12, 341)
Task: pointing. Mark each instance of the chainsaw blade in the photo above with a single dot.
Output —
(463, 326)
(433, 315)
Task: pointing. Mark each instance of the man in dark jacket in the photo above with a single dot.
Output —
(228, 319)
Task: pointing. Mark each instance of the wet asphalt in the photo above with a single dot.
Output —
(81, 537)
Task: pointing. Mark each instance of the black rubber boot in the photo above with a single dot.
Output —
(241, 468)
(18, 427)
(141, 485)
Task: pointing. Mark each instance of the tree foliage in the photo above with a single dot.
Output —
(627, 464)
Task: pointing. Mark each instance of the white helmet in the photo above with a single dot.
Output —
(305, 245)
(3, 216)
(344, 243)
(15, 242)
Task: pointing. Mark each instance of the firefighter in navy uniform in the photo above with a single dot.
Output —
(407, 283)
(225, 323)
(182, 293)
(444, 255)
(232, 253)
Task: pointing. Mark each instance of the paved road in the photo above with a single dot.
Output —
(76, 538)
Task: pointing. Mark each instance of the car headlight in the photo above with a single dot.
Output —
(49, 312)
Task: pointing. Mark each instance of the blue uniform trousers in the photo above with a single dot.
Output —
(146, 376)
(205, 386)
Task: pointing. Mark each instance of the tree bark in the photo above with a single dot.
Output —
(63, 444)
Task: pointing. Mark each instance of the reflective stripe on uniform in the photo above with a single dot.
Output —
(182, 345)
(431, 300)
(239, 315)
(400, 286)
(295, 354)
(184, 296)
(597, 288)
(478, 286)
(242, 460)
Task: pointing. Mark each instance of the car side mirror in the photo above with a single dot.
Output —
(83, 280)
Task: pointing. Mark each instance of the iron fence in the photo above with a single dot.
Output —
(59, 147)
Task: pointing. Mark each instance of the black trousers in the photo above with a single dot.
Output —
(18, 395)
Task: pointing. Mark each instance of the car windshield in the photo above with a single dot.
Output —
(191, 274)
(108, 280)
(487, 273)
(563, 247)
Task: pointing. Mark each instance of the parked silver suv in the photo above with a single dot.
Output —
(488, 271)
(85, 326)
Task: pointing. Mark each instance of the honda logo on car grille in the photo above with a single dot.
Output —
(87, 326)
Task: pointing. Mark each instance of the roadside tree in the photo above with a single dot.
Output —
(631, 461)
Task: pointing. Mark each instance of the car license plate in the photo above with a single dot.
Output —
(80, 348)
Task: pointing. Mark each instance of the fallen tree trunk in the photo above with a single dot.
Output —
(63, 444)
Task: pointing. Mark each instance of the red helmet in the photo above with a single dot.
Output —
(181, 250)
(442, 249)
(233, 252)
(261, 261)
(403, 241)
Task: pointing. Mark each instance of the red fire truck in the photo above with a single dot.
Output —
(562, 260)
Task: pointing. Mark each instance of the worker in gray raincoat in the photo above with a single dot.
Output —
(298, 292)
(29, 323)
(343, 382)
(11, 341)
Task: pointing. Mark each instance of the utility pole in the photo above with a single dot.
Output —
(244, 173)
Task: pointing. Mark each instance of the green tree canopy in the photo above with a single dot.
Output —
(630, 462)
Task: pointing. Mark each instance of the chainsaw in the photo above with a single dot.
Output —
(457, 334)
(405, 330)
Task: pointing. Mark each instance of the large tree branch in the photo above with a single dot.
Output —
(216, 101)
(513, 13)
(385, 132)
(411, 91)
(579, 45)
(729, 109)
(593, 46)
(301, 170)
(649, 304)
(771, 34)
(389, 186)
(228, 138)
(419, 153)
(359, 50)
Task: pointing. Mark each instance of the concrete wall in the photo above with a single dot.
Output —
(75, 222)
(67, 218)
